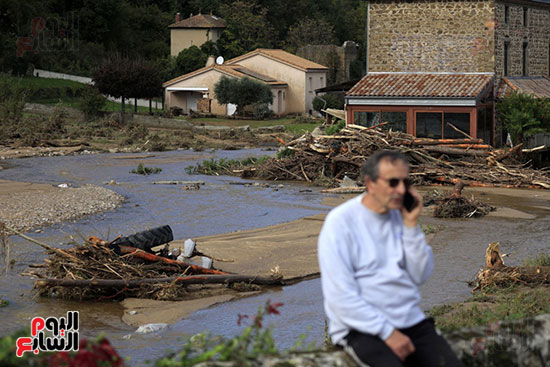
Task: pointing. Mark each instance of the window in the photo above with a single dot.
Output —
(506, 47)
(428, 125)
(310, 83)
(506, 11)
(484, 123)
(396, 121)
(524, 58)
(434, 125)
(525, 10)
(460, 121)
(322, 85)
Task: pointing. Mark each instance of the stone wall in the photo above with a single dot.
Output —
(337, 58)
(431, 36)
(536, 33)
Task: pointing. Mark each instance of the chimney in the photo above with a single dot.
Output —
(178, 18)
(210, 61)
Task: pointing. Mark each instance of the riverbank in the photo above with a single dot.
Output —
(26, 206)
(291, 248)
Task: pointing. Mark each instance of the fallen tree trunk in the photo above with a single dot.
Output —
(426, 141)
(194, 279)
(455, 151)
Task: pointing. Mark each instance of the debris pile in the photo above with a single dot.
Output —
(118, 269)
(458, 206)
(498, 274)
(326, 159)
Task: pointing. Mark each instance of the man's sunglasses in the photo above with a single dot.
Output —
(394, 182)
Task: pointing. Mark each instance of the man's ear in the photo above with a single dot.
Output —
(368, 181)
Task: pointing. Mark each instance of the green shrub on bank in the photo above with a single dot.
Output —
(223, 165)
(13, 96)
(142, 170)
(92, 103)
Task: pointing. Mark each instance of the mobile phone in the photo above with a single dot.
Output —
(409, 201)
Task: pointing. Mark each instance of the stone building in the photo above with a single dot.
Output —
(194, 31)
(454, 37)
(337, 58)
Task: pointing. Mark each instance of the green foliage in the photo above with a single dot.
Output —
(247, 28)
(310, 31)
(334, 67)
(541, 260)
(493, 303)
(285, 152)
(142, 170)
(91, 103)
(190, 59)
(242, 92)
(331, 130)
(261, 111)
(223, 165)
(12, 98)
(523, 115)
(254, 341)
(333, 100)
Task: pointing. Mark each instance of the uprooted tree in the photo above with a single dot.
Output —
(242, 92)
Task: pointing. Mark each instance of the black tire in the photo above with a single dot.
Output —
(148, 239)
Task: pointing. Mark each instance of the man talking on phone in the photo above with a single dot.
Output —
(373, 257)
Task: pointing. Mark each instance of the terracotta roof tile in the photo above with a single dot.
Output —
(436, 85)
(200, 21)
(235, 70)
(537, 86)
(281, 56)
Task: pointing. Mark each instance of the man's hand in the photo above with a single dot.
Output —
(410, 219)
(400, 344)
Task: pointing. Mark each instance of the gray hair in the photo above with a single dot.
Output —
(370, 167)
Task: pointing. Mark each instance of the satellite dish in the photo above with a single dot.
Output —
(219, 60)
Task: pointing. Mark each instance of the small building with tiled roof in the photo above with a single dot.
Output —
(424, 104)
(293, 81)
(194, 31)
(536, 86)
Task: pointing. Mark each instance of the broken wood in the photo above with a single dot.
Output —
(456, 151)
(426, 141)
(459, 131)
(193, 279)
(345, 190)
(135, 252)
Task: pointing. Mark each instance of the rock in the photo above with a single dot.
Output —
(348, 182)
(150, 328)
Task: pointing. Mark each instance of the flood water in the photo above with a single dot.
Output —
(220, 207)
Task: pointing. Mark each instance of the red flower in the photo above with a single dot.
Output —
(271, 309)
(240, 319)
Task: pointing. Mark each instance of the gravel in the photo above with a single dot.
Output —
(26, 211)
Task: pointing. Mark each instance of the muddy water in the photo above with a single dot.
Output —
(219, 207)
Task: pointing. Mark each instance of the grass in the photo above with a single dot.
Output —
(496, 303)
(33, 82)
(223, 165)
(293, 125)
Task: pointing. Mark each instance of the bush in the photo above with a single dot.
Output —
(91, 103)
(333, 100)
(12, 98)
(142, 170)
(261, 111)
(523, 115)
(331, 130)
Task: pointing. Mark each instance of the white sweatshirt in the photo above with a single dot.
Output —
(371, 267)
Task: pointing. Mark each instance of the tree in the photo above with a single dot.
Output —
(122, 77)
(190, 59)
(311, 32)
(247, 28)
(242, 92)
